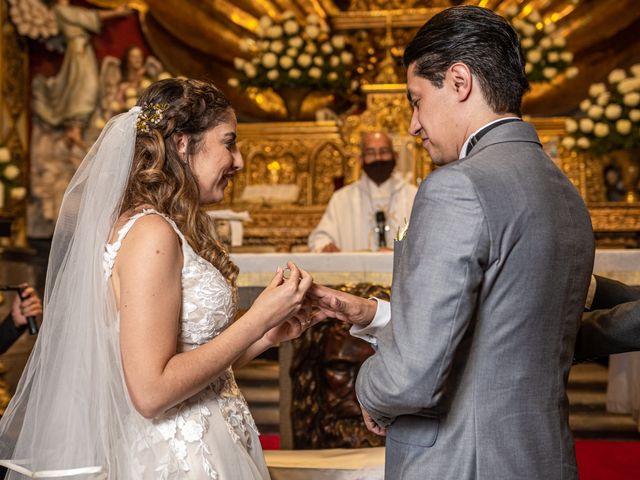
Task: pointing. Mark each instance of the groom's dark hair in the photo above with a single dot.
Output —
(482, 40)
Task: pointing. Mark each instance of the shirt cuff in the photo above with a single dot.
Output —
(380, 320)
(590, 293)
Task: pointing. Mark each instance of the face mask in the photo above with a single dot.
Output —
(380, 171)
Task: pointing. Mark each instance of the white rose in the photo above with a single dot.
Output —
(312, 18)
(529, 30)
(549, 72)
(274, 32)
(571, 125)
(583, 142)
(276, 46)
(338, 41)
(586, 125)
(553, 57)
(613, 111)
(559, 42)
(334, 61)
(286, 62)
(269, 60)
(5, 155)
(332, 76)
(291, 27)
(566, 57)
(528, 68)
(512, 11)
(315, 72)
(635, 70)
(571, 72)
(131, 102)
(304, 60)
(265, 22)
(11, 172)
(585, 104)
(527, 43)
(238, 63)
(568, 142)
(595, 112)
(18, 193)
(346, 57)
(534, 56)
(634, 115)
(250, 70)
(99, 123)
(596, 89)
(326, 48)
(534, 16)
(318, 61)
(631, 99)
(603, 99)
(626, 86)
(623, 126)
(233, 82)
(617, 75)
(295, 73)
(601, 130)
(545, 43)
(296, 42)
(292, 52)
(273, 75)
(312, 31)
(550, 28)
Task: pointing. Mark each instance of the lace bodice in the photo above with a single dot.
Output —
(207, 309)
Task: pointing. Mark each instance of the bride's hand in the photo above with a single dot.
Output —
(292, 328)
(282, 298)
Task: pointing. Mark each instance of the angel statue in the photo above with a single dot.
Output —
(121, 82)
(61, 104)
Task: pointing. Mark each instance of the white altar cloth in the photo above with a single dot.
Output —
(257, 269)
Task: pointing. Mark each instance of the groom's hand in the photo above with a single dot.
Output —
(371, 424)
(343, 306)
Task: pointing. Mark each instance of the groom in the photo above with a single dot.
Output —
(469, 377)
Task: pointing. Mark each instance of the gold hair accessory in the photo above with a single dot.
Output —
(150, 116)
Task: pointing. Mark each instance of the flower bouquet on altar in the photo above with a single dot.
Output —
(295, 59)
(543, 48)
(608, 125)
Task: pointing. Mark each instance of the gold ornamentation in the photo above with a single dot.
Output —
(150, 116)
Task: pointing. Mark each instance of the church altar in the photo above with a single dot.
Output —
(256, 270)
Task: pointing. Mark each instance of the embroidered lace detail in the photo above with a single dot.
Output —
(234, 409)
(207, 309)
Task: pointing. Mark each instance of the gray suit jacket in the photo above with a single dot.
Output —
(613, 324)
(487, 295)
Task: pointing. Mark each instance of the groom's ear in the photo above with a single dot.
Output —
(460, 80)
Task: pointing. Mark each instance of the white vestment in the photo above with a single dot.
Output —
(350, 218)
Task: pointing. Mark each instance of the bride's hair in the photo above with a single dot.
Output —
(160, 178)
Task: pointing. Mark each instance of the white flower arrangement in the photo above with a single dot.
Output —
(544, 50)
(609, 119)
(290, 54)
(10, 178)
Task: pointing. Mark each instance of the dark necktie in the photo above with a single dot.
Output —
(476, 138)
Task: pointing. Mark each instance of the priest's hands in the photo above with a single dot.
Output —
(343, 306)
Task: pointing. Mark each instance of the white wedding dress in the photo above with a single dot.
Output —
(211, 435)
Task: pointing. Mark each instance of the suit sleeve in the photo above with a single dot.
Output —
(327, 230)
(610, 293)
(433, 303)
(9, 333)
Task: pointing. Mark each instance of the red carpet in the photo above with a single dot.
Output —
(604, 460)
(270, 442)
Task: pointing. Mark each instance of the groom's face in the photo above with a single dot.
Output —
(434, 117)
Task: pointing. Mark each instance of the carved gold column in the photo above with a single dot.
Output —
(14, 106)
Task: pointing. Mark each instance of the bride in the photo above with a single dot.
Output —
(131, 376)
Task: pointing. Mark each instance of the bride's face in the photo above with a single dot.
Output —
(217, 160)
